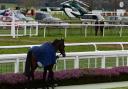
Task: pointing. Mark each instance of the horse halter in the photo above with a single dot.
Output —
(59, 46)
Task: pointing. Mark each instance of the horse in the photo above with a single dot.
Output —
(43, 56)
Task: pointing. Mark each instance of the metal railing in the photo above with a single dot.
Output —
(74, 56)
(15, 27)
(95, 44)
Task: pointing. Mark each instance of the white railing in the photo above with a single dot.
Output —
(66, 26)
(76, 56)
(95, 44)
(14, 31)
(15, 27)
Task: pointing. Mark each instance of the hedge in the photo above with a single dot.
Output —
(65, 77)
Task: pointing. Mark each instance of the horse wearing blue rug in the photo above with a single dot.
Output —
(43, 56)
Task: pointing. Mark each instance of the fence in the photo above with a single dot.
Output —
(65, 26)
(74, 57)
(74, 44)
(15, 27)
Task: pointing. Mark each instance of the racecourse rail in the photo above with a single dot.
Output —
(16, 24)
(75, 56)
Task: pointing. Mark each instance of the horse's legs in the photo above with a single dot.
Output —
(51, 73)
(33, 66)
(50, 80)
(27, 64)
(44, 78)
(45, 73)
(32, 74)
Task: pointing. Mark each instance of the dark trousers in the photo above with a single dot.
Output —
(96, 30)
(99, 28)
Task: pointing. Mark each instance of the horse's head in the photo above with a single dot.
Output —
(59, 46)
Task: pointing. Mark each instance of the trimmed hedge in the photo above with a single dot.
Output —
(66, 77)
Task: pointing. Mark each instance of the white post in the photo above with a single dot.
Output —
(103, 62)
(122, 47)
(120, 31)
(17, 66)
(65, 32)
(85, 31)
(88, 63)
(76, 62)
(23, 66)
(30, 31)
(37, 28)
(123, 64)
(64, 64)
(95, 62)
(117, 61)
(44, 31)
(95, 46)
(13, 25)
(25, 28)
(17, 32)
(127, 61)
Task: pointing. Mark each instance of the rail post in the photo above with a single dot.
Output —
(76, 62)
(17, 65)
(103, 62)
(13, 26)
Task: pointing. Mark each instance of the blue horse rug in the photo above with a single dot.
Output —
(44, 54)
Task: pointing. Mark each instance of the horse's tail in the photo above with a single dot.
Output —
(28, 63)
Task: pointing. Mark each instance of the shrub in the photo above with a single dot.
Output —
(65, 77)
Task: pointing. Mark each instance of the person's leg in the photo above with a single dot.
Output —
(96, 30)
(101, 30)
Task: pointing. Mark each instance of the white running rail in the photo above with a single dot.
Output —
(15, 30)
(73, 44)
(76, 56)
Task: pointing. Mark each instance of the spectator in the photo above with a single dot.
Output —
(96, 27)
(99, 26)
